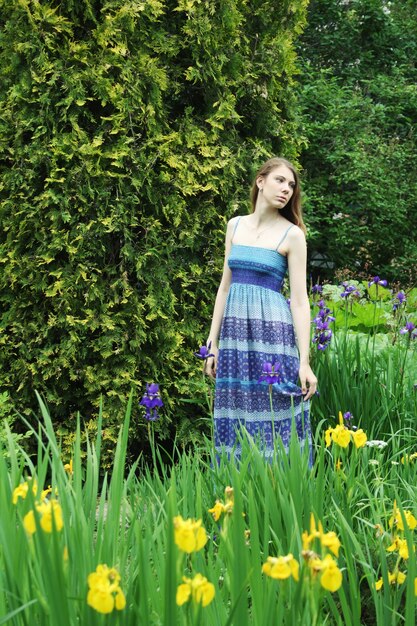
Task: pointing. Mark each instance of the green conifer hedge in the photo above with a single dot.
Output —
(129, 131)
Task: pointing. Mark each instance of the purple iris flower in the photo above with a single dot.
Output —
(204, 352)
(347, 416)
(323, 340)
(349, 290)
(322, 332)
(317, 289)
(322, 313)
(377, 281)
(409, 328)
(270, 373)
(152, 389)
(152, 402)
(399, 300)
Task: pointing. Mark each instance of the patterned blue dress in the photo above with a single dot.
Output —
(257, 327)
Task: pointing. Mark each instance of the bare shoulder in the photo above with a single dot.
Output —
(232, 223)
(297, 247)
(296, 236)
(233, 220)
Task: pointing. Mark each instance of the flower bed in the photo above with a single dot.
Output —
(210, 542)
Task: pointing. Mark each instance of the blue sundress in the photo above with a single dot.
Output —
(257, 327)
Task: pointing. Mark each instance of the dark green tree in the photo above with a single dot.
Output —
(128, 132)
(358, 101)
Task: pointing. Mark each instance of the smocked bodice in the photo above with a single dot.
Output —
(252, 265)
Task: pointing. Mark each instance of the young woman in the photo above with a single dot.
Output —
(254, 333)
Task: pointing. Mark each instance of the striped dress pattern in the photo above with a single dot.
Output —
(257, 327)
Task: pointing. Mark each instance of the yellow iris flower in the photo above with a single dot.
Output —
(223, 507)
(21, 491)
(397, 520)
(219, 508)
(407, 458)
(359, 438)
(326, 568)
(50, 513)
(400, 546)
(29, 523)
(342, 436)
(68, 468)
(104, 593)
(189, 535)
(199, 589)
(281, 567)
(328, 540)
(331, 577)
(339, 434)
(394, 577)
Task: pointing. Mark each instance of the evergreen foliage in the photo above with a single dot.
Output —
(358, 101)
(129, 131)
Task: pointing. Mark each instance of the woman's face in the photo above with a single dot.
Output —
(278, 186)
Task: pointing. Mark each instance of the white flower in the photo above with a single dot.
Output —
(373, 462)
(376, 443)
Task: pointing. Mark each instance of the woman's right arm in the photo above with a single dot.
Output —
(210, 365)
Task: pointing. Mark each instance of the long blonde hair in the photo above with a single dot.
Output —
(292, 211)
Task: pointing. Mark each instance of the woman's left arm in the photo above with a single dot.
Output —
(300, 307)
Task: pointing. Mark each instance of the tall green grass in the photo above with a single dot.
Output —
(125, 519)
(375, 384)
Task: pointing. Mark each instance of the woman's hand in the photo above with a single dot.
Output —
(308, 381)
(210, 364)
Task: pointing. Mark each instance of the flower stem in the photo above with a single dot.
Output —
(272, 417)
(151, 436)
(209, 406)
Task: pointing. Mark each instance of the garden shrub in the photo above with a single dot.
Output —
(359, 109)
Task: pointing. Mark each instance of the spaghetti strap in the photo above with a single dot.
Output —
(236, 225)
(285, 234)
